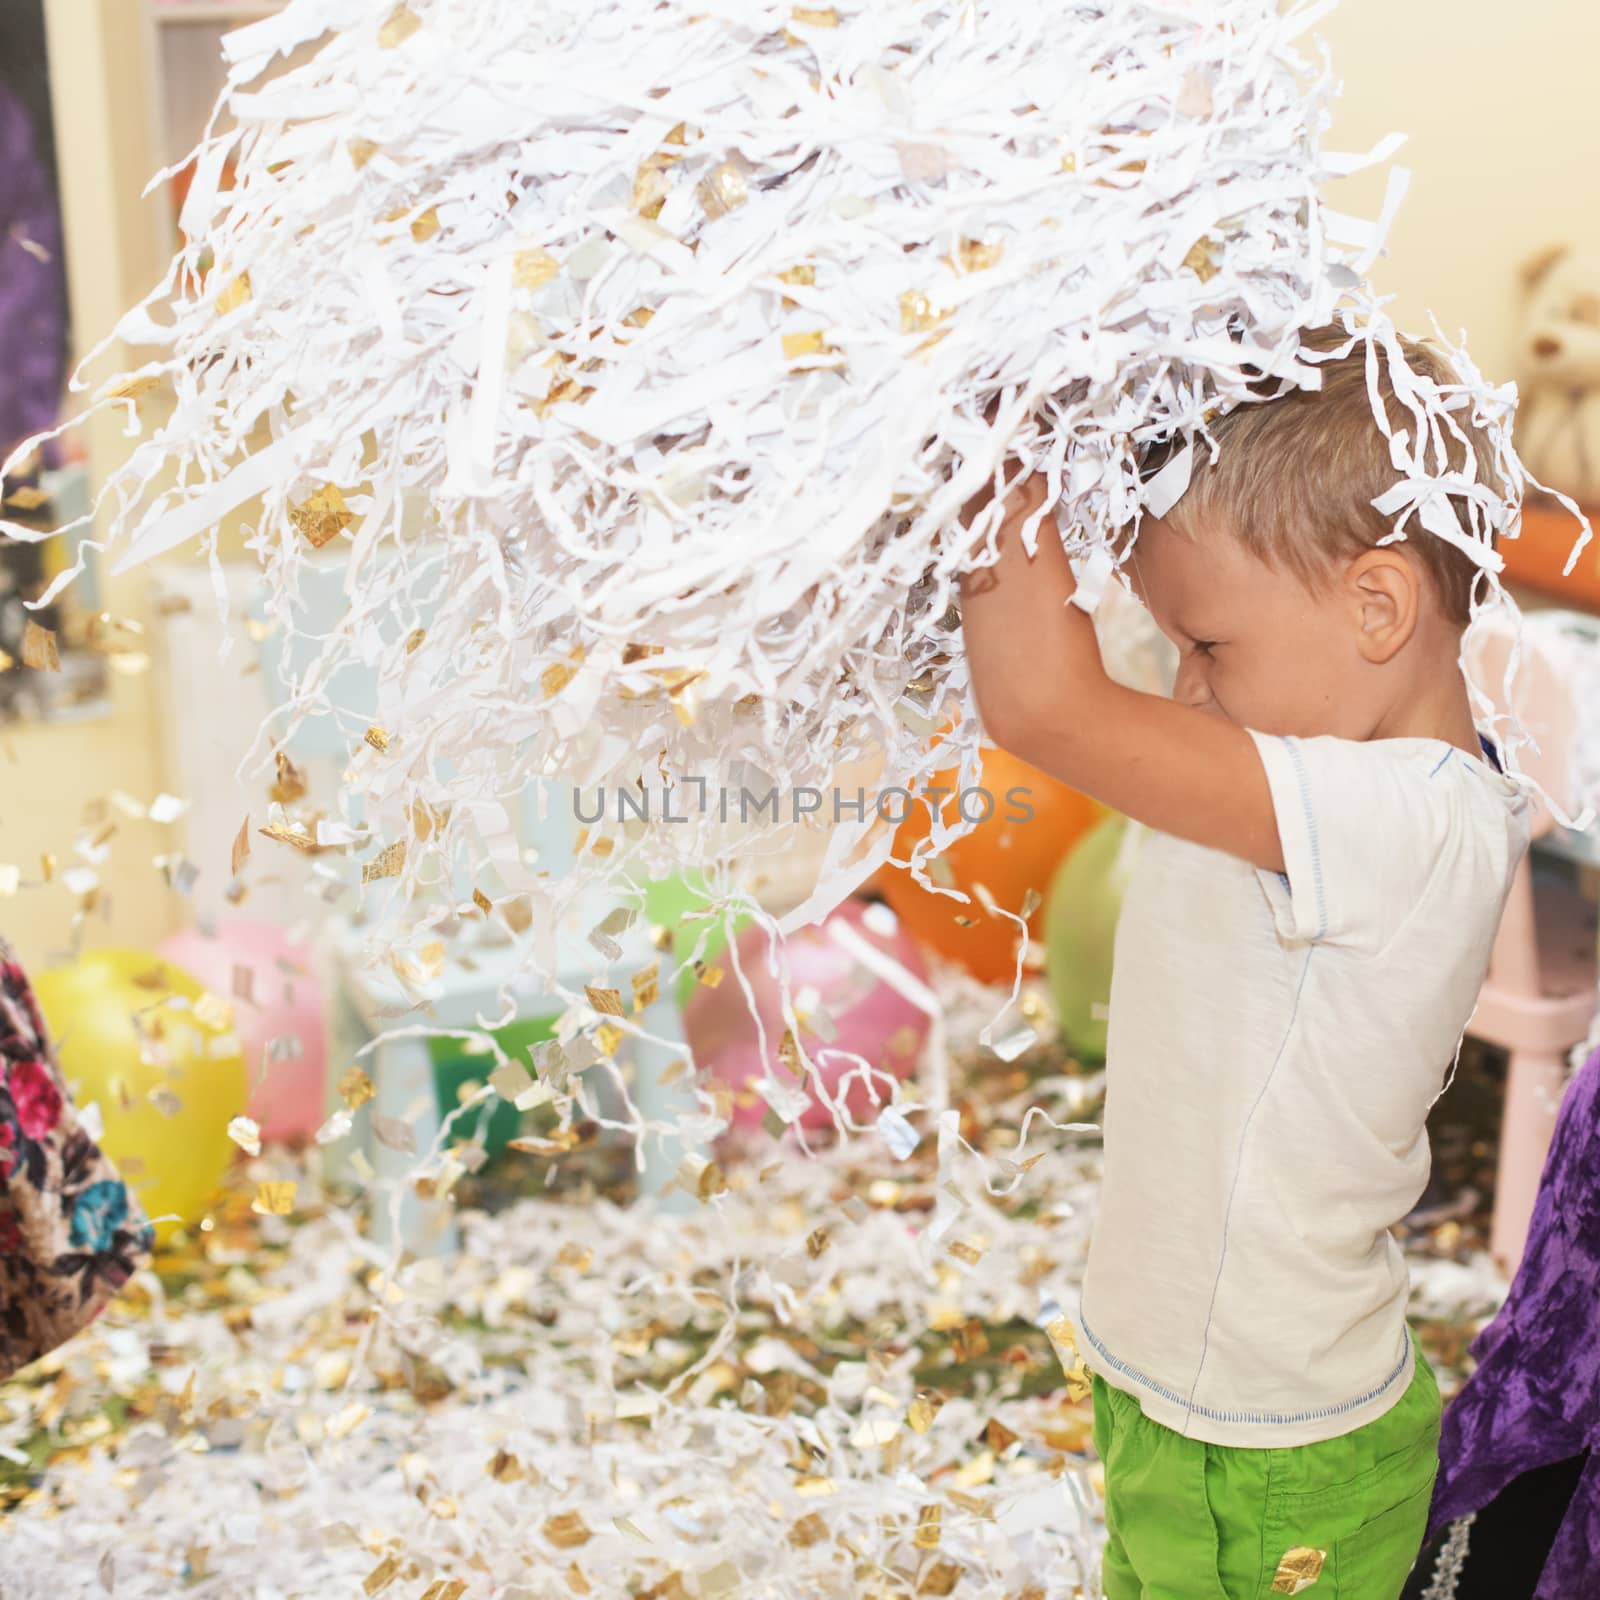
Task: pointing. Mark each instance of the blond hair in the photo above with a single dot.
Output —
(1296, 474)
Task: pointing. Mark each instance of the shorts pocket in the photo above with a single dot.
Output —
(1373, 1561)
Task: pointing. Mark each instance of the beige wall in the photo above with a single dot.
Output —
(53, 773)
(1499, 103)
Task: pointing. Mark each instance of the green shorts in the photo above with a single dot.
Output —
(1338, 1520)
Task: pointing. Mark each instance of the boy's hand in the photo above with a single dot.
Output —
(1044, 695)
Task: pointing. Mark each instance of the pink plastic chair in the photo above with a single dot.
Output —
(1540, 996)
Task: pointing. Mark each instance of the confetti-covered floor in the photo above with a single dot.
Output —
(840, 1378)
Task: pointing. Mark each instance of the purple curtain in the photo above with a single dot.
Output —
(33, 312)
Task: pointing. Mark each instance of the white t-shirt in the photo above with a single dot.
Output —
(1275, 1043)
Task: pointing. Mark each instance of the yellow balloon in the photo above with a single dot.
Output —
(168, 1079)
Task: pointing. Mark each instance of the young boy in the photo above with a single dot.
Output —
(1299, 952)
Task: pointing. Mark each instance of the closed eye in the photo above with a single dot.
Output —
(1203, 647)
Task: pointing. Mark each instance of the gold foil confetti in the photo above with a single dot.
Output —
(532, 269)
(970, 1253)
(725, 188)
(281, 833)
(609, 1037)
(646, 987)
(918, 313)
(927, 1535)
(39, 648)
(651, 187)
(361, 151)
(381, 1576)
(427, 226)
(322, 517)
(356, 1089)
(1060, 1332)
(427, 820)
(998, 1436)
(817, 1241)
(290, 783)
(388, 863)
(241, 848)
(809, 1530)
(810, 1484)
(378, 738)
(1298, 1570)
(815, 16)
(133, 388)
(504, 1467)
(414, 640)
(235, 295)
(709, 976)
(400, 24)
(976, 256)
(482, 901)
(27, 498)
(796, 346)
(970, 1341)
(1202, 259)
(444, 1588)
(701, 1177)
(939, 1579)
(246, 1135)
(606, 1001)
(923, 1409)
(805, 274)
(555, 678)
(348, 1420)
(567, 1530)
(274, 1198)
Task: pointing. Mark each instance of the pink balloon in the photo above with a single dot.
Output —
(870, 1018)
(279, 999)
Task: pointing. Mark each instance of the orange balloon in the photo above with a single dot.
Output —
(1030, 823)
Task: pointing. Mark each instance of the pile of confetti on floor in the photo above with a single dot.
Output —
(846, 1376)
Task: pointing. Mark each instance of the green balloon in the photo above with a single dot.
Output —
(1080, 928)
(665, 902)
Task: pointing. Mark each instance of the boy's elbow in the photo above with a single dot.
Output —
(1009, 722)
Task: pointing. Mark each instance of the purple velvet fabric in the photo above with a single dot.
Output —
(33, 312)
(1535, 1396)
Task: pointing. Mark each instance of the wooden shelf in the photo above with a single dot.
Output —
(1535, 559)
(213, 12)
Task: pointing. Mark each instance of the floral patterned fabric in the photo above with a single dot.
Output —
(1534, 1398)
(70, 1233)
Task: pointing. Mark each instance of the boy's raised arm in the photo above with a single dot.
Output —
(1044, 695)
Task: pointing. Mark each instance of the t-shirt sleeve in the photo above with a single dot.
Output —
(1362, 832)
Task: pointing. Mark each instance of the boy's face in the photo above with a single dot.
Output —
(1255, 644)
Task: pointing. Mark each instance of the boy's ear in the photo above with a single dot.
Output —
(1385, 594)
